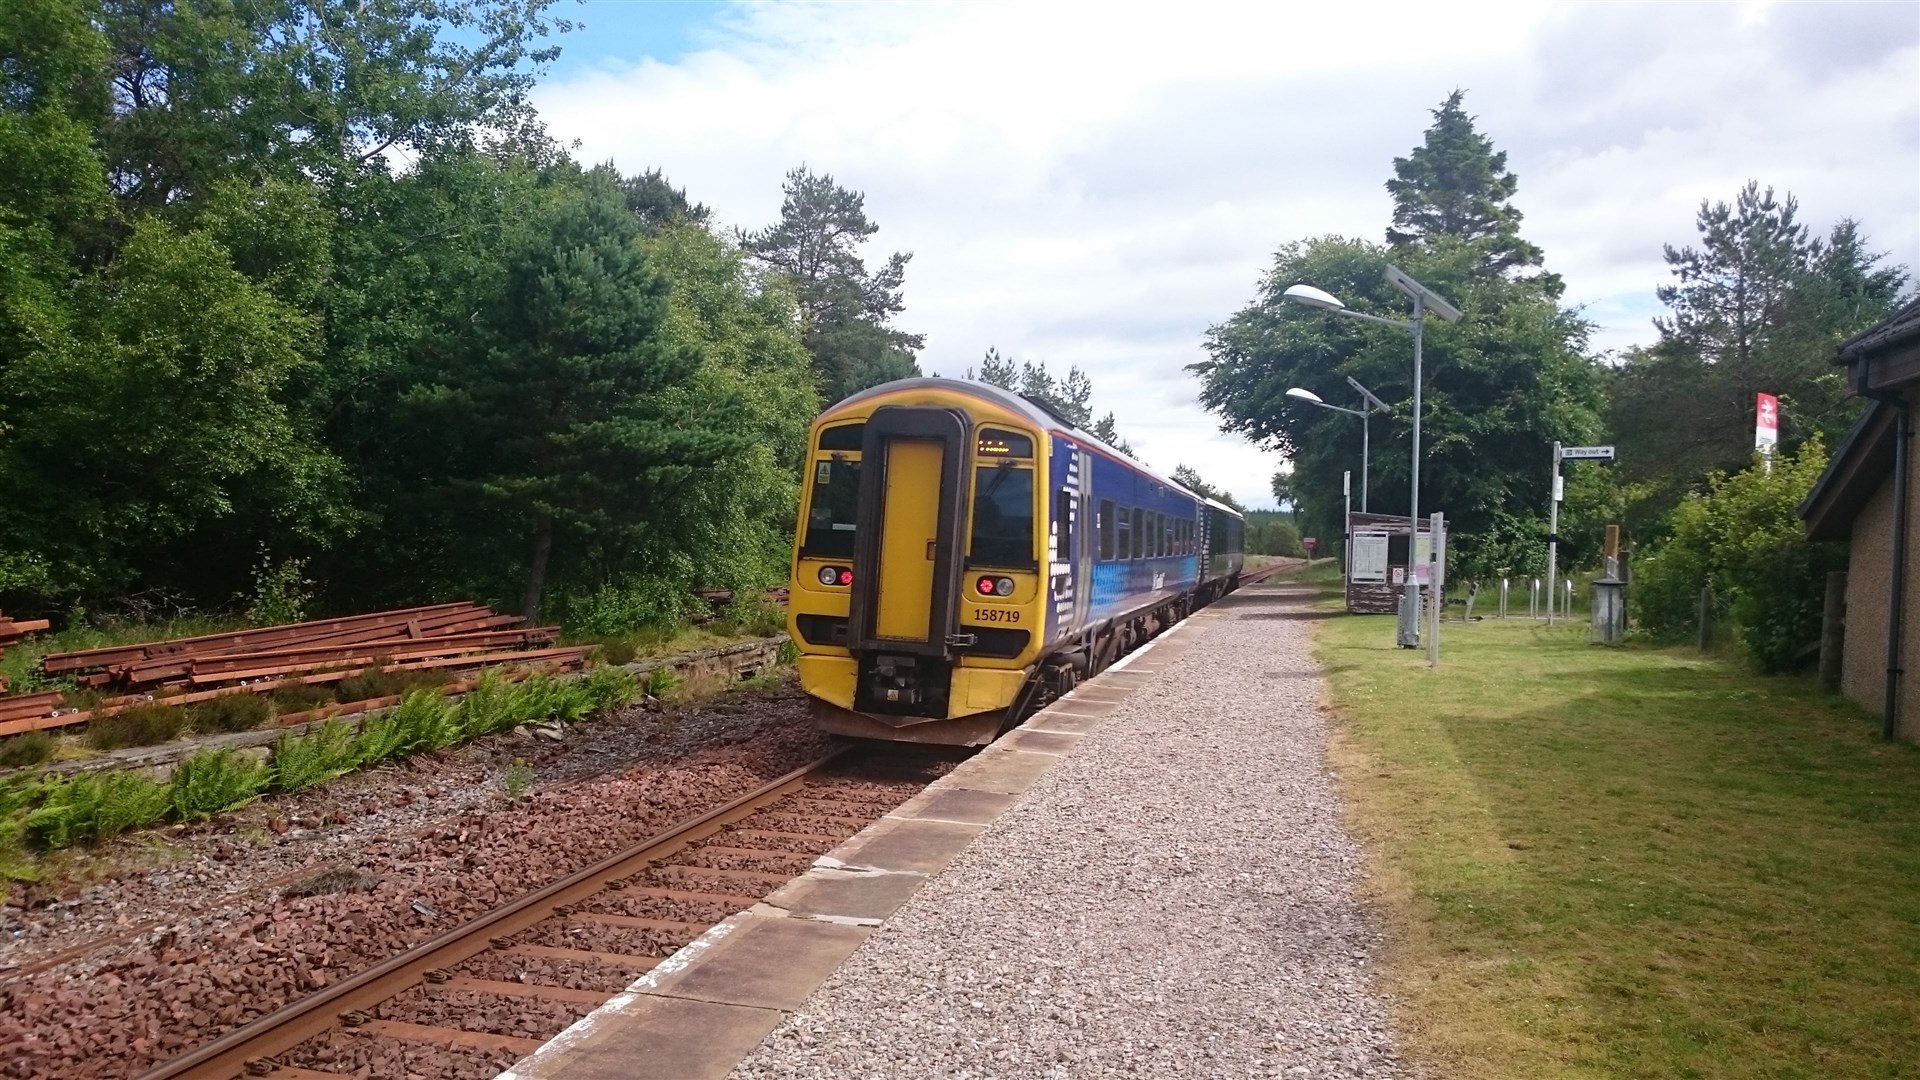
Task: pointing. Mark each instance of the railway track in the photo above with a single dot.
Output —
(478, 997)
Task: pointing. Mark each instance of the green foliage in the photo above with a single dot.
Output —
(294, 696)
(30, 749)
(488, 707)
(610, 688)
(213, 782)
(382, 682)
(1758, 306)
(543, 697)
(94, 806)
(1271, 533)
(1456, 186)
(1744, 540)
(230, 712)
(618, 652)
(137, 725)
(662, 683)
(845, 309)
(517, 779)
(281, 591)
(1190, 476)
(304, 761)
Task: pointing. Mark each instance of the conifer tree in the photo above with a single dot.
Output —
(1456, 184)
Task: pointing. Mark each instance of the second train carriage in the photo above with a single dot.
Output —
(962, 552)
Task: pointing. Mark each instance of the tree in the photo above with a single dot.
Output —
(1503, 384)
(1456, 185)
(1070, 397)
(1758, 306)
(845, 309)
(1189, 477)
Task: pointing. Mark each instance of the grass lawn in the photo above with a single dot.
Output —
(1632, 862)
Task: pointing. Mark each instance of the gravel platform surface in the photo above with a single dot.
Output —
(1174, 899)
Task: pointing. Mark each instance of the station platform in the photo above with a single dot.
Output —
(1149, 878)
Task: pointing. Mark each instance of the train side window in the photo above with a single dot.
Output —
(1139, 533)
(1106, 529)
(1063, 525)
(1159, 534)
(1126, 534)
(1166, 535)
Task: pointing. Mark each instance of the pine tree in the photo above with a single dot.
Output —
(846, 310)
(1456, 184)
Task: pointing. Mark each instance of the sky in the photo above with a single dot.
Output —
(1098, 184)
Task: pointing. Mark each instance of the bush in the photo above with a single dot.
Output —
(640, 603)
(138, 725)
(230, 712)
(488, 707)
(303, 761)
(618, 651)
(756, 615)
(213, 782)
(30, 749)
(1744, 540)
(380, 682)
(610, 688)
(294, 696)
(95, 806)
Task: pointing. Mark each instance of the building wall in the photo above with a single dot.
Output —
(1869, 585)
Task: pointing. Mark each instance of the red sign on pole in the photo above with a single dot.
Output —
(1309, 542)
(1766, 424)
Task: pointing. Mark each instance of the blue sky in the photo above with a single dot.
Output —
(621, 32)
(1098, 184)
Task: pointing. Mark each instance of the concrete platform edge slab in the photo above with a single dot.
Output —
(848, 893)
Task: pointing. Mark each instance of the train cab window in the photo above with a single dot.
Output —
(1002, 516)
(843, 437)
(1106, 529)
(831, 510)
(1126, 534)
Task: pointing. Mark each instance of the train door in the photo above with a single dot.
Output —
(906, 572)
(909, 517)
(1084, 545)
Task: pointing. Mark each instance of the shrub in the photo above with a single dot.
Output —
(303, 761)
(230, 712)
(427, 720)
(756, 614)
(95, 806)
(380, 682)
(640, 603)
(215, 781)
(294, 696)
(281, 591)
(30, 749)
(488, 707)
(138, 725)
(618, 651)
(379, 739)
(542, 697)
(1744, 540)
(662, 683)
(609, 688)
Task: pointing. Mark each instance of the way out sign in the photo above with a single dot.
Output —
(1586, 453)
(1766, 423)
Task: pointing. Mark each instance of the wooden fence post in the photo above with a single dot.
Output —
(1833, 623)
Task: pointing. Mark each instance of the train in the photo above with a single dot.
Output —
(964, 554)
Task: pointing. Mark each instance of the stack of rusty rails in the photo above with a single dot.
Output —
(455, 636)
(12, 630)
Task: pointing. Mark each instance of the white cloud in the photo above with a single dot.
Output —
(1098, 184)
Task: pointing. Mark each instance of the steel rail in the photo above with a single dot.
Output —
(292, 1024)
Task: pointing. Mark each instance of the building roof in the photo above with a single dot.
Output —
(1860, 464)
(1896, 329)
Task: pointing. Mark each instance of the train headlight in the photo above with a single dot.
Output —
(829, 575)
(1003, 586)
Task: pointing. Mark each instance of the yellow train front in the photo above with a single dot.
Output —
(963, 554)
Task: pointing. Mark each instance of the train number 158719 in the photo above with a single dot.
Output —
(1003, 615)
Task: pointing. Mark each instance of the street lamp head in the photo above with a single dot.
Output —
(1312, 297)
(1305, 395)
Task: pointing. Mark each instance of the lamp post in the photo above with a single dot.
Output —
(1424, 300)
(1372, 404)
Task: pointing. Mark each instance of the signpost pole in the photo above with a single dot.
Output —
(1553, 529)
(1346, 529)
(1436, 582)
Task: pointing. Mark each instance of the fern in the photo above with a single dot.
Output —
(380, 739)
(427, 721)
(486, 708)
(95, 806)
(215, 781)
(662, 683)
(610, 688)
(303, 761)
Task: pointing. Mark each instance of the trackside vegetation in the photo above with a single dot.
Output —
(40, 813)
(1628, 862)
